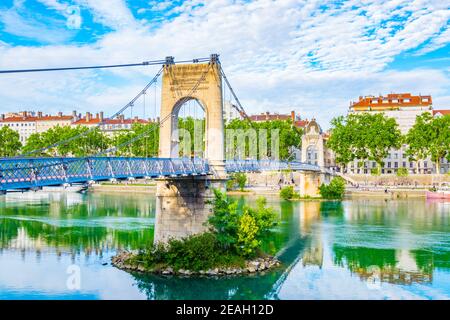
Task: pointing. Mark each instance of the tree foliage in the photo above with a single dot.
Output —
(334, 190)
(145, 144)
(89, 142)
(364, 136)
(288, 193)
(289, 137)
(429, 137)
(9, 142)
(240, 229)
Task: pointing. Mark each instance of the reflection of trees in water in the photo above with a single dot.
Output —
(177, 288)
(75, 227)
(417, 216)
(386, 264)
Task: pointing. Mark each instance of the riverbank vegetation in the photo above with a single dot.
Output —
(237, 180)
(233, 239)
(288, 193)
(334, 190)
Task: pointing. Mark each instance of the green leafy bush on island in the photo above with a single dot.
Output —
(234, 235)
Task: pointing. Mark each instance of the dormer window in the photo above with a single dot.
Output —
(424, 99)
(394, 100)
(406, 100)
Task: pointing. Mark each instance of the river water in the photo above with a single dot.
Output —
(58, 246)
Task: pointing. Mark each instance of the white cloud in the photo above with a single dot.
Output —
(17, 23)
(112, 13)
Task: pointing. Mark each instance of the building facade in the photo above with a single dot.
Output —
(404, 108)
(24, 124)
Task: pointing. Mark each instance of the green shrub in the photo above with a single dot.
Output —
(240, 230)
(288, 193)
(402, 172)
(241, 180)
(230, 184)
(238, 179)
(334, 190)
(195, 253)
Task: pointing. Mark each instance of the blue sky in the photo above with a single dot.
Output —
(310, 56)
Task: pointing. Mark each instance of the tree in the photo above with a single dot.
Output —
(289, 137)
(342, 140)
(417, 139)
(439, 140)
(429, 137)
(334, 190)
(145, 144)
(9, 142)
(89, 141)
(365, 136)
(241, 229)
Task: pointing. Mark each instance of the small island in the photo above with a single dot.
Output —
(231, 244)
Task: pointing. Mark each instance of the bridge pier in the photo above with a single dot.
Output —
(181, 208)
(310, 183)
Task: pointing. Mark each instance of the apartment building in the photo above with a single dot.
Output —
(404, 108)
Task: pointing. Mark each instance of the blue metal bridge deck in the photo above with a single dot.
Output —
(29, 173)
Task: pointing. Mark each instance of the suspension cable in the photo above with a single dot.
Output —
(144, 63)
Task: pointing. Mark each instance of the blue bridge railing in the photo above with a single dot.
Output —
(29, 173)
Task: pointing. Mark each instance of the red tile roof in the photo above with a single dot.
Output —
(392, 100)
(19, 119)
(94, 121)
(443, 112)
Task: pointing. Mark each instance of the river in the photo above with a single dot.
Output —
(58, 246)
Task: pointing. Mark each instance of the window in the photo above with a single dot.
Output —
(406, 100)
(425, 164)
(404, 164)
(396, 164)
(410, 164)
(389, 164)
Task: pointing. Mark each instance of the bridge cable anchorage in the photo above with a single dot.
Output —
(100, 123)
(167, 117)
(144, 63)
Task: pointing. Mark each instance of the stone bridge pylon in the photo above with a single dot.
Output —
(180, 205)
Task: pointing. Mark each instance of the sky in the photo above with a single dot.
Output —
(310, 56)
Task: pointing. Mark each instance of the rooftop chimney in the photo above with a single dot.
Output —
(88, 116)
(96, 115)
(60, 114)
(2, 116)
(293, 116)
(39, 114)
(74, 115)
(101, 116)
